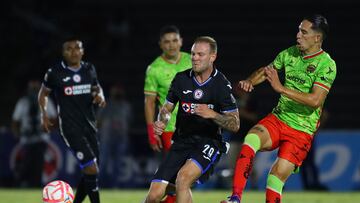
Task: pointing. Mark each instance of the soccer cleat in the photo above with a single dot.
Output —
(232, 199)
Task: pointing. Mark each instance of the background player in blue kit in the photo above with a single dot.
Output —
(77, 91)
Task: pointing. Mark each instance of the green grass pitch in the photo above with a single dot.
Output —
(211, 196)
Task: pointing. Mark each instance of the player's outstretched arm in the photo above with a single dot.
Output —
(255, 78)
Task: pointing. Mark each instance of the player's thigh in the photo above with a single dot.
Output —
(188, 174)
(171, 165)
(268, 130)
(294, 146)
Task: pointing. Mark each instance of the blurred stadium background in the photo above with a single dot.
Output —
(120, 38)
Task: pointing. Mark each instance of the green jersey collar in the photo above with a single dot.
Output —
(313, 55)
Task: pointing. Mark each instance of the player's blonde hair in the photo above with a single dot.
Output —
(211, 41)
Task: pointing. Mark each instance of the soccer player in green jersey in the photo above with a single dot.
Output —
(158, 78)
(290, 127)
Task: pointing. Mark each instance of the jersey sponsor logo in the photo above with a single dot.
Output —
(66, 79)
(198, 94)
(76, 78)
(190, 107)
(187, 92)
(77, 90)
(311, 68)
(295, 79)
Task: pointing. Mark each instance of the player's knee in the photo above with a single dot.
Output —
(154, 196)
(183, 180)
(281, 172)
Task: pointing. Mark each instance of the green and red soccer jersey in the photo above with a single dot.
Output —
(302, 73)
(158, 79)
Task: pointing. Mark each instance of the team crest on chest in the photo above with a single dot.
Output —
(76, 78)
(198, 94)
(311, 68)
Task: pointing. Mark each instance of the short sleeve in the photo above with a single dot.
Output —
(94, 77)
(49, 79)
(173, 95)
(151, 85)
(279, 60)
(227, 100)
(326, 76)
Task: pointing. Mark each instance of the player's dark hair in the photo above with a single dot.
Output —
(70, 39)
(169, 29)
(319, 24)
(211, 41)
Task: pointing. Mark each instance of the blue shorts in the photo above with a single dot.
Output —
(204, 152)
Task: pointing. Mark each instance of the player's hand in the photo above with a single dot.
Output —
(45, 123)
(246, 85)
(99, 100)
(204, 111)
(273, 78)
(159, 128)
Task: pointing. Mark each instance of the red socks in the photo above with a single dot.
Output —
(244, 164)
(272, 196)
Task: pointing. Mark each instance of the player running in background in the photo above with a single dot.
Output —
(205, 106)
(158, 78)
(309, 75)
(77, 91)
